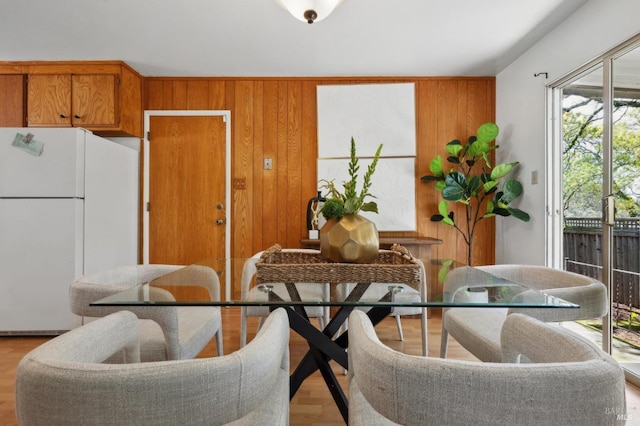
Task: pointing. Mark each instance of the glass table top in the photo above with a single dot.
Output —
(464, 287)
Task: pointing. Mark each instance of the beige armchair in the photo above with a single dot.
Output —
(307, 291)
(64, 382)
(478, 330)
(167, 332)
(568, 381)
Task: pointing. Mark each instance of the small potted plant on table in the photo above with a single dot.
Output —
(348, 236)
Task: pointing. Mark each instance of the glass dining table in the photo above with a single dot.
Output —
(472, 288)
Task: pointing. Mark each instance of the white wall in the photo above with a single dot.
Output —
(520, 111)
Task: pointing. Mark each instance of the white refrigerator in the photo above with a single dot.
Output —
(68, 207)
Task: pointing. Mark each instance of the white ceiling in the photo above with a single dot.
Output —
(259, 38)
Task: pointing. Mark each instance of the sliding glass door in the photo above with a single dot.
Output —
(623, 218)
(597, 142)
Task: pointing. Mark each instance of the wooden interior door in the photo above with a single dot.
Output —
(187, 190)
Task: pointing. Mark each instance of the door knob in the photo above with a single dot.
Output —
(220, 221)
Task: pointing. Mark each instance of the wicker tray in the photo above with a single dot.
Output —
(392, 266)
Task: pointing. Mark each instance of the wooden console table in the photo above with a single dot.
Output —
(420, 247)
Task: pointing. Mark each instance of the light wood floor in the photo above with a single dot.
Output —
(312, 405)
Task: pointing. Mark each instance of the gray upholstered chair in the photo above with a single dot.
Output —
(64, 382)
(307, 291)
(478, 330)
(566, 381)
(376, 291)
(167, 332)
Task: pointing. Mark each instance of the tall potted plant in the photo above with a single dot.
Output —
(483, 189)
(347, 236)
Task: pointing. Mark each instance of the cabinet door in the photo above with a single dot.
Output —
(49, 100)
(94, 100)
(12, 100)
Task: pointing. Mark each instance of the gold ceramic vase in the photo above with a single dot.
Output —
(351, 238)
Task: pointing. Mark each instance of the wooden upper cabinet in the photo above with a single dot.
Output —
(49, 100)
(13, 100)
(94, 100)
(102, 96)
(84, 100)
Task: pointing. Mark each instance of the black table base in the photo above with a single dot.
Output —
(322, 346)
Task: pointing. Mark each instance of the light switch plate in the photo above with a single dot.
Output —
(268, 163)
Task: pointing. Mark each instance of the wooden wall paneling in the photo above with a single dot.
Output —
(269, 196)
(475, 97)
(226, 90)
(427, 147)
(240, 212)
(258, 167)
(179, 95)
(461, 133)
(242, 170)
(153, 95)
(309, 148)
(197, 94)
(217, 98)
(281, 161)
(277, 118)
(159, 94)
(463, 130)
(490, 110)
(447, 125)
(292, 213)
(229, 95)
(167, 92)
(427, 99)
(479, 112)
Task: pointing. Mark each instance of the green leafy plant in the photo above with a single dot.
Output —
(474, 182)
(350, 201)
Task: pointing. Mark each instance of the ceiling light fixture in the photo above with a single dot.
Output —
(309, 11)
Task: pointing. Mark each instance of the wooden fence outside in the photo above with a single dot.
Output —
(583, 254)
